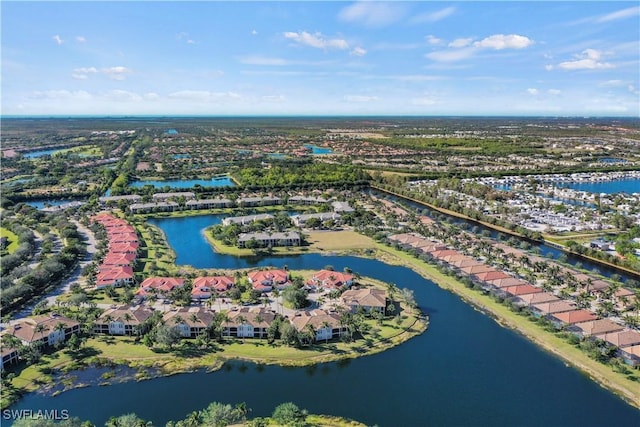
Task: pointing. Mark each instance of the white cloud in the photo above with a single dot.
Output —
(554, 92)
(57, 39)
(273, 98)
(613, 83)
(85, 70)
(79, 76)
(589, 59)
(501, 41)
(119, 95)
(358, 51)
(548, 67)
(151, 96)
(451, 55)
(461, 42)
(204, 96)
(61, 94)
(433, 40)
(81, 39)
(360, 98)
(262, 60)
(316, 40)
(254, 33)
(373, 13)
(424, 101)
(620, 14)
(434, 16)
(116, 73)
(532, 91)
(191, 41)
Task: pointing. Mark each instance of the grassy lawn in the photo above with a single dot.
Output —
(12, 239)
(320, 241)
(338, 240)
(603, 374)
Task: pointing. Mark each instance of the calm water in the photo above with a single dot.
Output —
(223, 181)
(631, 185)
(40, 153)
(465, 370)
(318, 150)
(39, 204)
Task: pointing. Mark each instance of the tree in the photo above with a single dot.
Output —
(295, 297)
(289, 414)
(128, 420)
(167, 336)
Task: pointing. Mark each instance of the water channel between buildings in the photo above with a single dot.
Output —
(464, 370)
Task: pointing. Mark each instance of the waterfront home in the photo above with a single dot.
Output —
(266, 280)
(49, 329)
(302, 200)
(622, 339)
(552, 307)
(9, 355)
(204, 286)
(123, 320)
(488, 276)
(114, 275)
(572, 317)
(138, 208)
(325, 325)
(162, 285)
(624, 299)
(630, 355)
(245, 220)
(329, 279)
(124, 248)
(190, 321)
(248, 322)
(369, 299)
(301, 220)
(287, 238)
(119, 259)
(527, 300)
(524, 289)
(505, 282)
(245, 202)
(209, 204)
(596, 328)
(166, 196)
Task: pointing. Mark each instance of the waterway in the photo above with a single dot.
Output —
(222, 181)
(543, 249)
(40, 153)
(465, 370)
(631, 185)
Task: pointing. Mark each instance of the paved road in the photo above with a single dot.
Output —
(65, 286)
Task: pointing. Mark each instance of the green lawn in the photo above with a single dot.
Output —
(12, 239)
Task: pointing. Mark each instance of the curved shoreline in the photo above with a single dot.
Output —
(630, 392)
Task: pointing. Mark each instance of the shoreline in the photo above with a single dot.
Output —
(597, 372)
(118, 351)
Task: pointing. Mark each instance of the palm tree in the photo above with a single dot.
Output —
(241, 320)
(259, 319)
(310, 333)
(326, 325)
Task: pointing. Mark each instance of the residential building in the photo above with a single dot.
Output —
(123, 320)
(190, 321)
(369, 299)
(49, 330)
(329, 279)
(266, 280)
(325, 325)
(204, 286)
(248, 322)
(287, 238)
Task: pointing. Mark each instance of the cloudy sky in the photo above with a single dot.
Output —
(328, 58)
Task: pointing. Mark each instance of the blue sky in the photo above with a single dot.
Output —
(328, 58)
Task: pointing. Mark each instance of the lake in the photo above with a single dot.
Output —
(40, 153)
(630, 185)
(465, 370)
(221, 181)
(318, 150)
